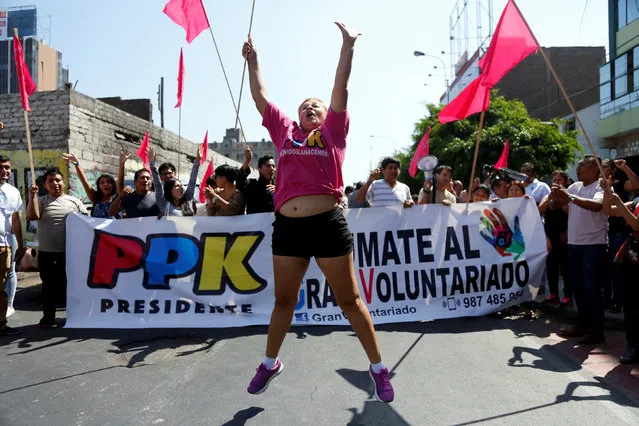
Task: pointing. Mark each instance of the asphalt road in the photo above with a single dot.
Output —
(451, 372)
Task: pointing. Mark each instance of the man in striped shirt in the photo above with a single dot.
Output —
(387, 191)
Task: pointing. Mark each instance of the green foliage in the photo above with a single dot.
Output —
(530, 141)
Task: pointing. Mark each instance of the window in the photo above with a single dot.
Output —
(621, 75)
(605, 93)
(621, 13)
(632, 12)
(604, 73)
(627, 12)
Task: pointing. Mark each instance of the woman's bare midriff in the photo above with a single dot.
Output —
(308, 205)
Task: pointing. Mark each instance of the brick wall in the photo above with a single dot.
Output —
(69, 121)
(139, 107)
(533, 84)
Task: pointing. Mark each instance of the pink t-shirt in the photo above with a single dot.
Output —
(308, 163)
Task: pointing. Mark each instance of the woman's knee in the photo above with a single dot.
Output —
(286, 301)
(352, 303)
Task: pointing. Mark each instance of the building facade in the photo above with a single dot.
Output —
(532, 83)
(232, 147)
(589, 117)
(96, 132)
(619, 83)
(44, 62)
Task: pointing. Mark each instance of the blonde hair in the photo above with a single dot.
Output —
(310, 100)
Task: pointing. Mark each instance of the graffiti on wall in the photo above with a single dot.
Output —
(21, 172)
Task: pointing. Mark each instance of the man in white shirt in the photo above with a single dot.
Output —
(587, 249)
(387, 191)
(443, 180)
(534, 188)
(10, 224)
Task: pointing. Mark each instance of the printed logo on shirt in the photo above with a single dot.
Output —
(312, 145)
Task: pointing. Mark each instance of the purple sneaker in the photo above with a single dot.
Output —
(383, 389)
(264, 376)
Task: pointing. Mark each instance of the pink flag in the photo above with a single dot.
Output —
(143, 151)
(207, 174)
(180, 80)
(474, 98)
(421, 151)
(189, 14)
(502, 163)
(25, 82)
(205, 148)
(511, 44)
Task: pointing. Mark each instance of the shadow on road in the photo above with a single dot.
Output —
(567, 396)
(240, 418)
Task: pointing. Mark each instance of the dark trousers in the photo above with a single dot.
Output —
(631, 302)
(613, 285)
(558, 259)
(54, 281)
(587, 270)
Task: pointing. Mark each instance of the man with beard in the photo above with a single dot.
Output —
(387, 191)
(443, 180)
(258, 193)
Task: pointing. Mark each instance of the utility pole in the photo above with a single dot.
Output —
(161, 101)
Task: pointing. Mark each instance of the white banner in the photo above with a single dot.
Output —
(422, 263)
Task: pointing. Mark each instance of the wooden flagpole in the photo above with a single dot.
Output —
(29, 148)
(239, 99)
(563, 90)
(179, 140)
(472, 171)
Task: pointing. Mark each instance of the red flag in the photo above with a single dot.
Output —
(502, 163)
(474, 98)
(143, 151)
(207, 174)
(180, 80)
(25, 82)
(205, 148)
(189, 14)
(511, 44)
(421, 151)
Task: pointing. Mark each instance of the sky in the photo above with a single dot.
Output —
(123, 47)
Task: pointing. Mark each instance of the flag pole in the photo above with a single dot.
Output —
(563, 90)
(179, 140)
(228, 85)
(472, 171)
(29, 148)
(239, 99)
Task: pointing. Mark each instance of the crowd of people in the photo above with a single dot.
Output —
(591, 225)
(591, 229)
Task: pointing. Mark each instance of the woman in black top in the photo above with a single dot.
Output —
(628, 258)
(556, 227)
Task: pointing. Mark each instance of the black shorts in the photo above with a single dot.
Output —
(322, 235)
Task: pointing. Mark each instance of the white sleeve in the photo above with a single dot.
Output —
(370, 192)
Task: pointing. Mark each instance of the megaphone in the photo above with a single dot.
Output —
(514, 175)
(427, 164)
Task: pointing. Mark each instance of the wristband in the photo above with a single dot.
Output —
(152, 164)
(77, 164)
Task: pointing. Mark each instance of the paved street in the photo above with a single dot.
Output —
(462, 371)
